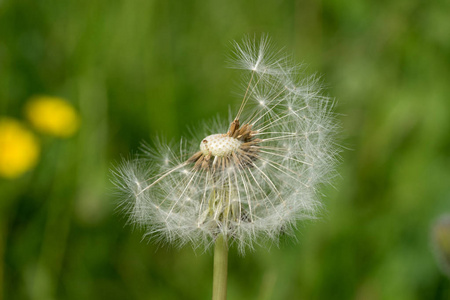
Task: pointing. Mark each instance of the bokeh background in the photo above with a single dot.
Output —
(132, 69)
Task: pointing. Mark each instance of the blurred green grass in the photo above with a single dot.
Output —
(139, 68)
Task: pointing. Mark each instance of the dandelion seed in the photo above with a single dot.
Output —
(246, 181)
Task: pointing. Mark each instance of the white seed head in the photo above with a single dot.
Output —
(219, 145)
(251, 183)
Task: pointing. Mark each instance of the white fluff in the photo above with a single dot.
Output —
(180, 204)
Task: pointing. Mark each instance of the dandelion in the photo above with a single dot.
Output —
(52, 115)
(19, 148)
(242, 181)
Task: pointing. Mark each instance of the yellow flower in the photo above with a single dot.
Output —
(19, 148)
(52, 115)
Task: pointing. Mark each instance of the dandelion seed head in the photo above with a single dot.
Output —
(220, 145)
(250, 183)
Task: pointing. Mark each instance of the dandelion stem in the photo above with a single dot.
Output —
(220, 269)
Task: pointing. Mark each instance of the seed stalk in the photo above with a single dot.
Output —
(220, 269)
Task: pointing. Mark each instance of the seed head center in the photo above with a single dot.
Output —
(219, 145)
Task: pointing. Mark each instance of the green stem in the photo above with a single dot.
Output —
(220, 269)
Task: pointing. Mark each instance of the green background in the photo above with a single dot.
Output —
(138, 68)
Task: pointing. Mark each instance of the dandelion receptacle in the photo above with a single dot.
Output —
(244, 180)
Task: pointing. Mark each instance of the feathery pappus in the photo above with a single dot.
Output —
(250, 178)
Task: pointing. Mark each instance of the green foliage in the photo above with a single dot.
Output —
(137, 68)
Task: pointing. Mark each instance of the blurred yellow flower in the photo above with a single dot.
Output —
(52, 115)
(19, 148)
